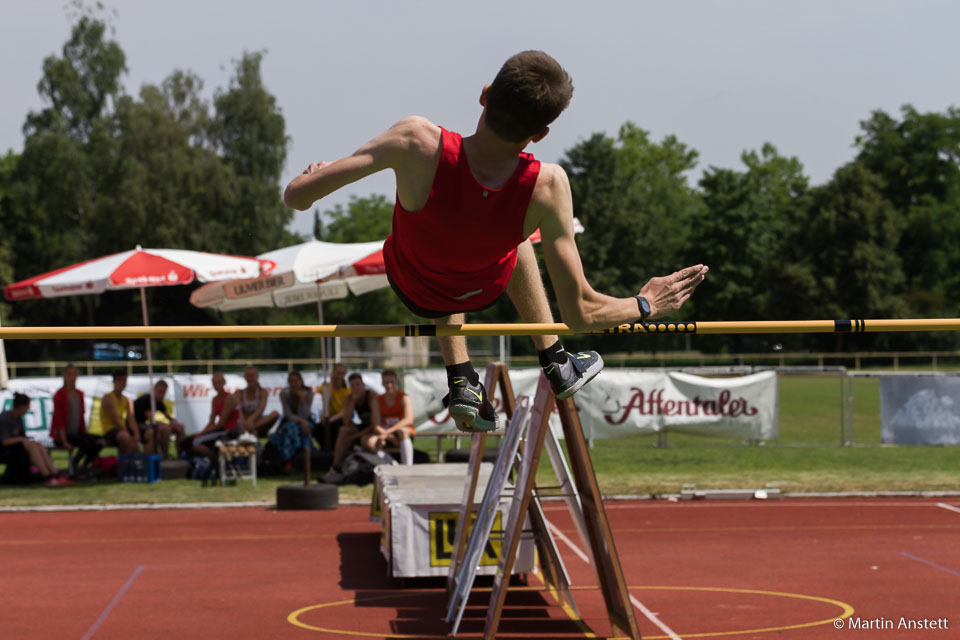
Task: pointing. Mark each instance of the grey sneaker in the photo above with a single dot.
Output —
(579, 369)
(469, 406)
(332, 477)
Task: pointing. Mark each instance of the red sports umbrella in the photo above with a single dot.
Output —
(136, 269)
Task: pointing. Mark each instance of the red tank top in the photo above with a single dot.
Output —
(458, 251)
(231, 420)
(393, 414)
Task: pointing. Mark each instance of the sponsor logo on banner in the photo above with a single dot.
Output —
(652, 403)
(443, 532)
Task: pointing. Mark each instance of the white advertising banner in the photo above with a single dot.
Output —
(919, 409)
(623, 402)
(618, 403)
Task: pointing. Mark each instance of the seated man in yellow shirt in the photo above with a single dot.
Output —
(120, 428)
(334, 396)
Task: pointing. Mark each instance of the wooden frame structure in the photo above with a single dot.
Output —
(583, 498)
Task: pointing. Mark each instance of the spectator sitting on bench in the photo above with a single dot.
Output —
(252, 402)
(224, 417)
(19, 451)
(334, 398)
(68, 429)
(162, 430)
(120, 430)
(296, 426)
(396, 411)
(364, 427)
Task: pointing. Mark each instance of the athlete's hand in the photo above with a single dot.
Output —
(668, 293)
(316, 166)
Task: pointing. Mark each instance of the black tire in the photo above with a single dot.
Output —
(463, 455)
(174, 469)
(298, 497)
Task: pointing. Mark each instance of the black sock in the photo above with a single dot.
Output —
(554, 354)
(465, 370)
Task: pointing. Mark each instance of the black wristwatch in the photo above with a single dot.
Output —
(644, 307)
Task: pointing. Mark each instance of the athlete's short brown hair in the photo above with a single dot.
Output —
(530, 91)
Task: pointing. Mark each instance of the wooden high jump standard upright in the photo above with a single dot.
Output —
(606, 561)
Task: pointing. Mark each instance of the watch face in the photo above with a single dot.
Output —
(644, 306)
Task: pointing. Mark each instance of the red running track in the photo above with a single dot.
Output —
(779, 569)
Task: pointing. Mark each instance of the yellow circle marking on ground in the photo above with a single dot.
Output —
(846, 611)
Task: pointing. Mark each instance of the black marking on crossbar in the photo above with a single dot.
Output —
(653, 327)
(855, 326)
(417, 330)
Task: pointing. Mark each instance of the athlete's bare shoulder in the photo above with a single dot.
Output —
(551, 201)
(417, 135)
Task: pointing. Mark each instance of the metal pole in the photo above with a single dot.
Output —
(4, 380)
(323, 340)
(153, 400)
(850, 411)
(843, 422)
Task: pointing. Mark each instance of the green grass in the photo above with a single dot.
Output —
(807, 457)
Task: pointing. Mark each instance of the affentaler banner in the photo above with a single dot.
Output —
(623, 402)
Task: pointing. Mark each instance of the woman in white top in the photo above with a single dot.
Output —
(252, 402)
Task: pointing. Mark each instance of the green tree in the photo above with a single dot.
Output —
(851, 233)
(103, 171)
(632, 196)
(67, 166)
(362, 220)
(742, 234)
(249, 132)
(918, 159)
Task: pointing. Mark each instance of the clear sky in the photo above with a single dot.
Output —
(723, 76)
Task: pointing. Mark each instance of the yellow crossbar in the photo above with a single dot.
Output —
(502, 329)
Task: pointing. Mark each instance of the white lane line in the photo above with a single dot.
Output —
(841, 503)
(930, 564)
(654, 619)
(567, 541)
(103, 616)
(651, 616)
(948, 507)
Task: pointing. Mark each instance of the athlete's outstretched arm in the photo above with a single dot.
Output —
(386, 151)
(581, 307)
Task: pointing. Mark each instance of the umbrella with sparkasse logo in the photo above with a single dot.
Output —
(137, 269)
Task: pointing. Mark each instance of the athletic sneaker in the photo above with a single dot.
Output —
(579, 369)
(469, 406)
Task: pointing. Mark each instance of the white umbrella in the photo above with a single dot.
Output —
(303, 273)
(135, 269)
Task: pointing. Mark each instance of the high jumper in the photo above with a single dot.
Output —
(465, 209)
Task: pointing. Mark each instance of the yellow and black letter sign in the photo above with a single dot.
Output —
(443, 531)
